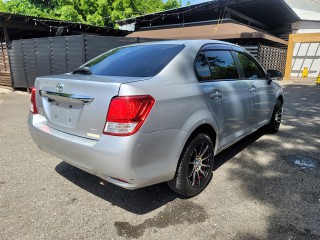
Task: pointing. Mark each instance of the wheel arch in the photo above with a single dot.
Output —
(203, 128)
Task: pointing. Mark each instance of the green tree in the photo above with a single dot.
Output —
(96, 12)
(2, 6)
(25, 7)
(172, 4)
(68, 13)
(130, 8)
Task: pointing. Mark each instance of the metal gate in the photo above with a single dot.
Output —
(32, 58)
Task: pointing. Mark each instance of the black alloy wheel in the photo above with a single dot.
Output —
(276, 118)
(195, 166)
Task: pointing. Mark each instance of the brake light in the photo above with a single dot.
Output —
(33, 105)
(127, 114)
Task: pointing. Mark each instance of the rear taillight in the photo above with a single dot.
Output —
(33, 105)
(127, 114)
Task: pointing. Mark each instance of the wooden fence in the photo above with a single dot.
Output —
(5, 78)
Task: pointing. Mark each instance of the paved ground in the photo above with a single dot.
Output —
(264, 187)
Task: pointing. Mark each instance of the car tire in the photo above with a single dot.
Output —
(274, 124)
(194, 170)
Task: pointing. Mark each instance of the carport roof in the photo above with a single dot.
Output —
(24, 27)
(271, 13)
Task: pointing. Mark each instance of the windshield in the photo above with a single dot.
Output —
(134, 61)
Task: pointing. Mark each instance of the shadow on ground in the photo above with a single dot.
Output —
(232, 151)
(288, 182)
(139, 201)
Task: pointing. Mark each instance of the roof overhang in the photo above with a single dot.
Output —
(224, 31)
(22, 26)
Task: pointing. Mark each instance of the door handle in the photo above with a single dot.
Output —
(216, 96)
(253, 89)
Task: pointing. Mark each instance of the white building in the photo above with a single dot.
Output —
(306, 54)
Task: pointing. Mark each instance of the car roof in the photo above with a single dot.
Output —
(195, 43)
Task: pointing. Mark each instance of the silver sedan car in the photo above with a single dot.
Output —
(155, 112)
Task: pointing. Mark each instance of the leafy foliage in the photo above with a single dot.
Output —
(129, 8)
(24, 7)
(96, 12)
(171, 4)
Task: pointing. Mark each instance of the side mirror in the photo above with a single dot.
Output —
(274, 75)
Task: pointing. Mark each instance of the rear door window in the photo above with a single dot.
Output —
(134, 61)
(251, 69)
(219, 63)
(222, 65)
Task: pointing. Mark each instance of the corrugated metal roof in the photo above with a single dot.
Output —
(24, 22)
(273, 13)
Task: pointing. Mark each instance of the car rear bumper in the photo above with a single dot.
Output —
(141, 159)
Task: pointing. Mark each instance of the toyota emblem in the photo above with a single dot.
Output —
(59, 87)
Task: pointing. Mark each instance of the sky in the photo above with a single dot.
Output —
(184, 2)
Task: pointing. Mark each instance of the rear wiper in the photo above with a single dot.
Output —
(82, 70)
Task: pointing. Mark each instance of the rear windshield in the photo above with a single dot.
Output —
(134, 61)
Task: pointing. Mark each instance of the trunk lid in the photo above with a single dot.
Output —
(77, 104)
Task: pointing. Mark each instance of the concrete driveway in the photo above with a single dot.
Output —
(264, 187)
